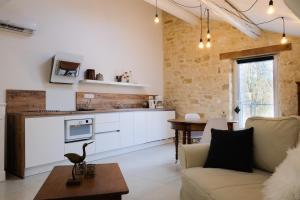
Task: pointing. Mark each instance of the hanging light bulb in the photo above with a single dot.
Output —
(201, 44)
(271, 8)
(208, 35)
(156, 19)
(284, 40)
(208, 27)
(208, 44)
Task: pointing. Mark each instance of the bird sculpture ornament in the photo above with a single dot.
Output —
(76, 160)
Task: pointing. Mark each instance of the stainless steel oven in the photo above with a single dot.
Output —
(79, 129)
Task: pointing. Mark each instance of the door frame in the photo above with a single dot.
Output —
(236, 89)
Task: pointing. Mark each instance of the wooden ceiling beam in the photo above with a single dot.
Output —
(256, 51)
(175, 10)
(247, 28)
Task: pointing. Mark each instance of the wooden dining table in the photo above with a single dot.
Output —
(180, 124)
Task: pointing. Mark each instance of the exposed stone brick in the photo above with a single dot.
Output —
(198, 81)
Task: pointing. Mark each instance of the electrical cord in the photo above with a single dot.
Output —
(268, 21)
(254, 3)
(235, 14)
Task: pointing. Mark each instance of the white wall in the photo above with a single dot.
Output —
(113, 36)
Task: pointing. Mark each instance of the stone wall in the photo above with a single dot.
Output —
(198, 81)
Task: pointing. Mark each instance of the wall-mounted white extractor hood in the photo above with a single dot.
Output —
(25, 28)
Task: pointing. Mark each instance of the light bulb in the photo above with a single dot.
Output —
(208, 44)
(156, 19)
(208, 35)
(283, 39)
(201, 45)
(271, 8)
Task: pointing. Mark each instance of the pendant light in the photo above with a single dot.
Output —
(208, 36)
(284, 40)
(156, 19)
(271, 8)
(201, 44)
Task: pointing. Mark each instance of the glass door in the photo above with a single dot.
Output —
(256, 85)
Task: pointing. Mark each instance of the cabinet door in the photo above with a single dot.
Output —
(44, 140)
(155, 122)
(107, 141)
(140, 127)
(126, 129)
(170, 132)
(107, 117)
(158, 126)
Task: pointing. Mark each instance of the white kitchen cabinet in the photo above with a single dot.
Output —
(76, 147)
(126, 129)
(155, 126)
(158, 127)
(44, 139)
(169, 115)
(140, 127)
(107, 127)
(2, 125)
(107, 131)
(107, 117)
(107, 141)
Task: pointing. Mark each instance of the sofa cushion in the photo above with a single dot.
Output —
(272, 139)
(231, 150)
(203, 182)
(243, 192)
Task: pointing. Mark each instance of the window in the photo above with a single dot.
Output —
(256, 88)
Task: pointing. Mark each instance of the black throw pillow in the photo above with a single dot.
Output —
(231, 150)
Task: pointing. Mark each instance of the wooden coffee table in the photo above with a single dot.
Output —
(108, 184)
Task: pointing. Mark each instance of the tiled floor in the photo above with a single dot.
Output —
(151, 174)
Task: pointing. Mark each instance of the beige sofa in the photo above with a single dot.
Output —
(272, 138)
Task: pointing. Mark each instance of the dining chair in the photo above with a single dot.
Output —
(216, 123)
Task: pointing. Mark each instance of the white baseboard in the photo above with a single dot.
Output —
(2, 175)
(92, 158)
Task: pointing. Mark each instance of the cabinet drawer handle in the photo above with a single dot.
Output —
(108, 132)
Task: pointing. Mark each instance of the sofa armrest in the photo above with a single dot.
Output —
(193, 155)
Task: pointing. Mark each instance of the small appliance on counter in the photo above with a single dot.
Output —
(159, 102)
(156, 102)
(151, 102)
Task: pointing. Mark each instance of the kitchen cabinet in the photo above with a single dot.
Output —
(2, 127)
(157, 125)
(44, 139)
(140, 127)
(167, 127)
(126, 129)
(107, 117)
(107, 131)
(35, 142)
(107, 141)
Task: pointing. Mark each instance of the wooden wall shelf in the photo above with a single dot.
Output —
(112, 83)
